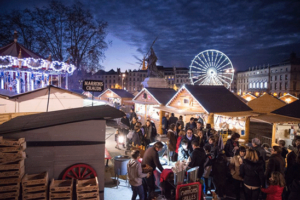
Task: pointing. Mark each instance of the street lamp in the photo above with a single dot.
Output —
(123, 76)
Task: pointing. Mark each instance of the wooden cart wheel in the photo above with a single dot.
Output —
(79, 171)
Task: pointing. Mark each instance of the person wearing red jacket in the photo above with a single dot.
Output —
(274, 191)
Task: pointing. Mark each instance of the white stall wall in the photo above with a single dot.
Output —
(283, 132)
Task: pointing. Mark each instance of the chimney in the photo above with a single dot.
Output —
(16, 36)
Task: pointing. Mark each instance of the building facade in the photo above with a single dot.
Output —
(275, 79)
(131, 80)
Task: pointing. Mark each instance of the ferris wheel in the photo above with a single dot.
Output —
(211, 67)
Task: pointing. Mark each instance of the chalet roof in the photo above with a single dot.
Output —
(216, 99)
(46, 88)
(120, 93)
(265, 104)
(48, 119)
(6, 93)
(290, 110)
(13, 49)
(163, 95)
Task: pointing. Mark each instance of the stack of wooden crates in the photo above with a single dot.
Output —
(35, 186)
(87, 189)
(61, 189)
(12, 167)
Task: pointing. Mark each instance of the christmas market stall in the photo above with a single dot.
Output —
(66, 144)
(216, 105)
(146, 102)
(118, 98)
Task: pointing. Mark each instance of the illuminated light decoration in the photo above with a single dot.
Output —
(36, 64)
(248, 98)
(257, 94)
(288, 100)
(211, 67)
(275, 94)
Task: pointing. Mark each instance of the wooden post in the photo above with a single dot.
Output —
(210, 120)
(274, 129)
(247, 130)
(159, 129)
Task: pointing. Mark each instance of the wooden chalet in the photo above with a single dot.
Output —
(265, 104)
(249, 97)
(147, 101)
(216, 105)
(117, 96)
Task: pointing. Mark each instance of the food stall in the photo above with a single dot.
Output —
(288, 98)
(248, 97)
(117, 97)
(147, 101)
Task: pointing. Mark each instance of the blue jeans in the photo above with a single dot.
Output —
(137, 190)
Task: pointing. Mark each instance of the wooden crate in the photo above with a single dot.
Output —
(7, 181)
(61, 185)
(12, 142)
(35, 179)
(10, 194)
(7, 149)
(9, 187)
(12, 165)
(38, 195)
(93, 194)
(87, 185)
(89, 198)
(13, 173)
(58, 195)
(12, 156)
(35, 188)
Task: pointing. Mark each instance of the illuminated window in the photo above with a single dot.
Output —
(185, 101)
(261, 85)
(266, 84)
(250, 85)
(257, 85)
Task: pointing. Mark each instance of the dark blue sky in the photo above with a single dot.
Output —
(249, 32)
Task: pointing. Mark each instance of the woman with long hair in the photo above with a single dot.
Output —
(214, 146)
(181, 134)
(252, 171)
(234, 167)
(277, 184)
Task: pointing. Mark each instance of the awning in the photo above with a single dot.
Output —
(144, 102)
(176, 110)
(238, 114)
(272, 118)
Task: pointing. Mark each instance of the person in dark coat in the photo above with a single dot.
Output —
(173, 119)
(151, 158)
(200, 137)
(291, 157)
(198, 158)
(125, 121)
(183, 152)
(150, 132)
(172, 142)
(276, 162)
(137, 137)
(198, 128)
(294, 172)
(260, 150)
(132, 115)
(294, 190)
(189, 137)
(133, 123)
(190, 124)
(252, 171)
(232, 145)
(219, 169)
(180, 121)
(284, 151)
(164, 124)
(214, 146)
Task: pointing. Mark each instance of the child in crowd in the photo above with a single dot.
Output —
(277, 184)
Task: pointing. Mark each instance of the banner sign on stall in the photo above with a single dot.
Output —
(190, 191)
(93, 86)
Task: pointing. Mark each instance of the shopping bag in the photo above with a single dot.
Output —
(130, 134)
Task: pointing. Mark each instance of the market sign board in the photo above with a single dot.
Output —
(190, 191)
(93, 86)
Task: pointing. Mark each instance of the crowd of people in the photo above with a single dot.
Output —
(254, 170)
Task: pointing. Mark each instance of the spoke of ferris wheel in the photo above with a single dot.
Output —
(199, 76)
(202, 62)
(197, 72)
(202, 82)
(206, 60)
(225, 77)
(196, 67)
(200, 79)
(212, 58)
(216, 81)
(224, 80)
(219, 80)
(216, 57)
(219, 60)
(219, 68)
(221, 63)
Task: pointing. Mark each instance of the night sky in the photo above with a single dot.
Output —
(250, 33)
